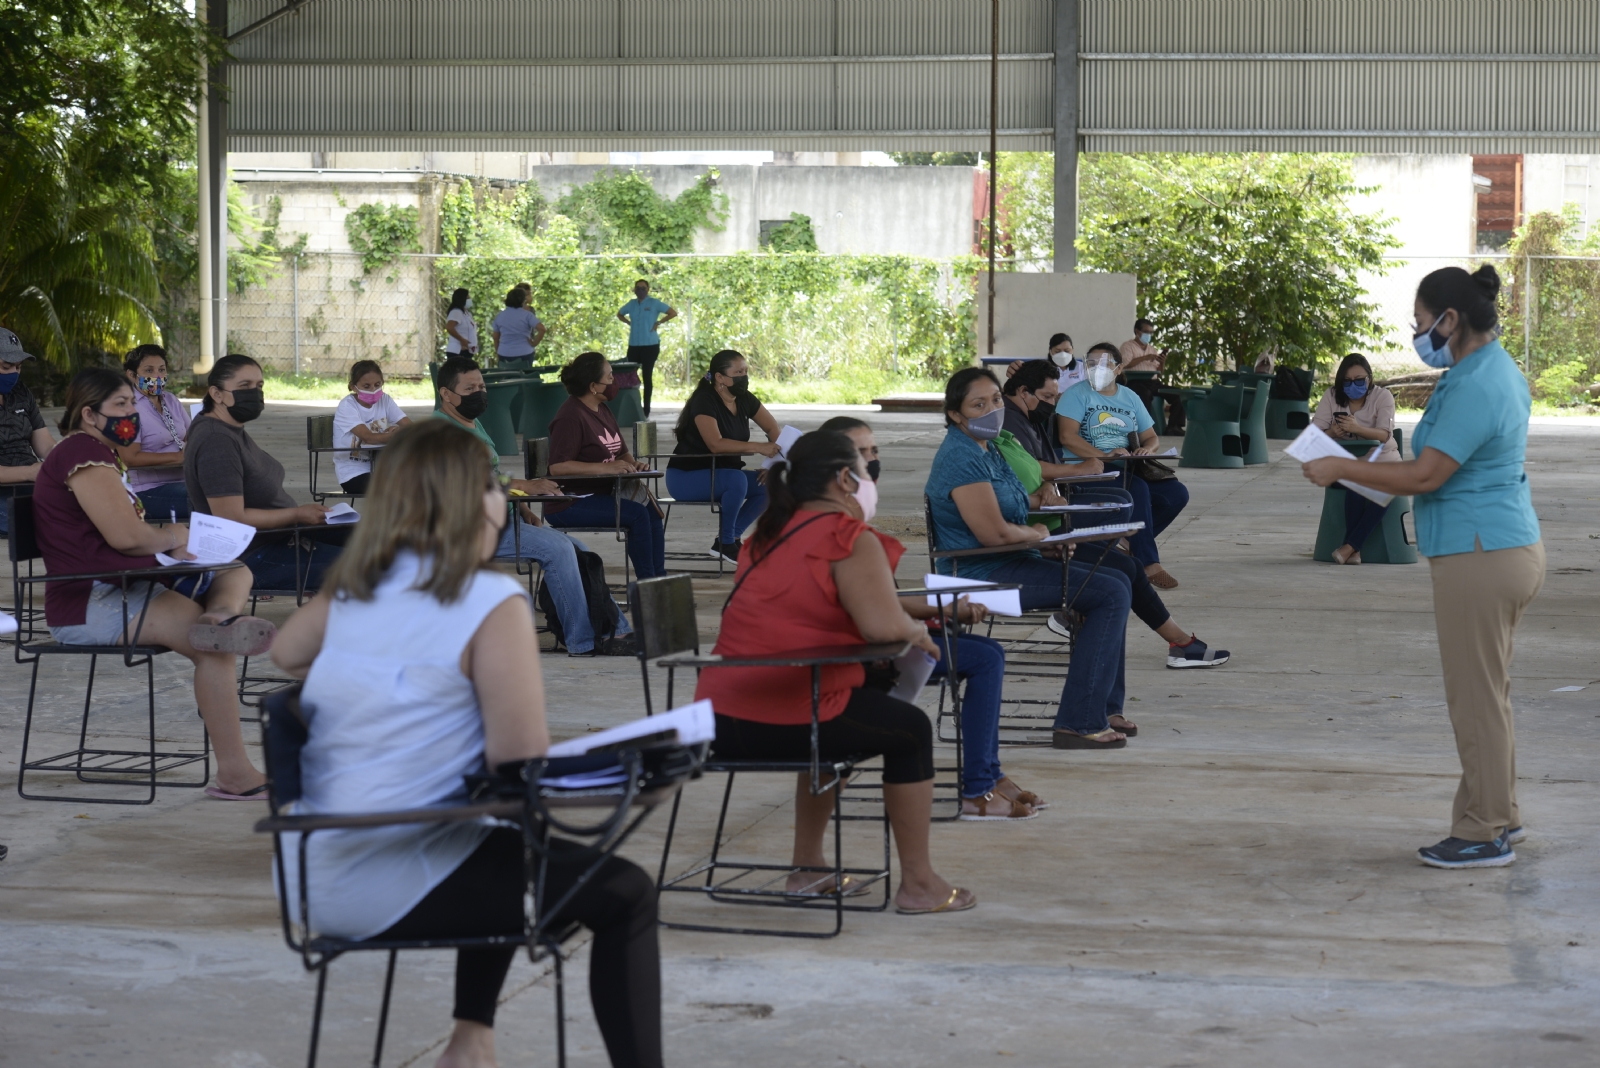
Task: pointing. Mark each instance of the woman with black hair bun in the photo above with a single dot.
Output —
(1477, 527)
(1357, 408)
(713, 438)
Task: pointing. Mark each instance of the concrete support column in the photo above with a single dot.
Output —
(217, 170)
(1066, 140)
(202, 237)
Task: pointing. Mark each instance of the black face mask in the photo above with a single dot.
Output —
(873, 469)
(472, 405)
(741, 383)
(1042, 415)
(247, 404)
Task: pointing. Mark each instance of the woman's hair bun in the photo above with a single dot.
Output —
(1488, 280)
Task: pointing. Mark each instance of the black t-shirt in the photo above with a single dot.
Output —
(18, 420)
(734, 425)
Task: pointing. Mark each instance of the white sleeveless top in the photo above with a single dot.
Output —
(393, 725)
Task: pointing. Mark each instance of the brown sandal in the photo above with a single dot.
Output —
(1125, 727)
(1012, 792)
(1161, 580)
(1015, 810)
(1106, 739)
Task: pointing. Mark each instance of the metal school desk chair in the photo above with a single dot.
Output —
(664, 623)
(646, 446)
(94, 764)
(536, 464)
(650, 777)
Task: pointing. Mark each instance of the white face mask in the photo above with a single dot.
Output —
(468, 304)
(1061, 359)
(1101, 376)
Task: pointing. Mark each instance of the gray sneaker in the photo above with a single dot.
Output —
(1195, 655)
(1465, 853)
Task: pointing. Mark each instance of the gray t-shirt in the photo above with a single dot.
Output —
(223, 461)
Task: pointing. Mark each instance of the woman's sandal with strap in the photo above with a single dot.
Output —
(1009, 790)
(1015, 810)
(948, 906)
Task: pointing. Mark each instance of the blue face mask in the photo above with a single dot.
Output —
(1357, 389)
(9, 382)
(987, 427)
(1434, 348)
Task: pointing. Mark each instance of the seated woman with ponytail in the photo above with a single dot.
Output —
(713, 437)
(817, 575)
(230, 476)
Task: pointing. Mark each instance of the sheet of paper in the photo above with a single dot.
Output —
(1313, 444)
(1108, 528)
(342, 513)
(914, 667)
(1000, 602)
(1558, 689)
(213, 540)
(8, 623)
(1170, 454)
(787, 436)
(693, 723)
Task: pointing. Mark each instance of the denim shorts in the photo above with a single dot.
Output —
(102, 620)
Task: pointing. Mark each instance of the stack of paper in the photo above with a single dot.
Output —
(1108, 528)
(342, 513)
(212, 540)
(1313, 444)
(1000, 602)
(688, 725)
(787, 436)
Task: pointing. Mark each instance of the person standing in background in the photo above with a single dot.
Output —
(517, 332)
(459, 325)
(1139, 355)
(24, 439)
(644, 314)
(1477, 527)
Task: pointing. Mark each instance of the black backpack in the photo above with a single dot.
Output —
(603, 614)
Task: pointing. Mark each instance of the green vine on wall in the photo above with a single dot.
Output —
(380, 233)
(620, 211)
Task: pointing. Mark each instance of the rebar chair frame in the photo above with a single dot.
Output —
(666, 631)
(319, 440)
(254, 688)
(647, 446)
(284, 730)
(536, 464)
(91, 765)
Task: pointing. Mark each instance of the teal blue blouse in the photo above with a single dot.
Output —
(961, 461)
(1479, 418)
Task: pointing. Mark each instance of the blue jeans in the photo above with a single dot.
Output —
(743, 496)
(1095, 687)
(1361, 518)
(166, 503)
(981, 665)
(1156, 505)
(647, 541)
(273, 559)
(557, 554)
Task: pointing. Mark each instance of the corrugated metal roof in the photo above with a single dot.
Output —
(1197, 75)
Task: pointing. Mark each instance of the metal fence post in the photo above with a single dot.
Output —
(294, 310)
(1527, 313)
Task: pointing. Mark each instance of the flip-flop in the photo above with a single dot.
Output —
(852, 888)
(1129, 729)
(1074, 740)
(948, 906)
(239, 635)
(258, 793)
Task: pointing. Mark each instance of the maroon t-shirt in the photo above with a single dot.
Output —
(68, 539)
(588, 437)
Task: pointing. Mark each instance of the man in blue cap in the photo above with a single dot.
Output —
(24, 441)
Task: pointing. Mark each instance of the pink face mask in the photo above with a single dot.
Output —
(368, 398)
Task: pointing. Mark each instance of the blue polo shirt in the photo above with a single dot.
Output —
(1479, 418)
(642, 320)
(961, 461)
(1104, 422)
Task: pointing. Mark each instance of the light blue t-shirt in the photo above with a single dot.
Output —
(515, 326)
(642, 320)
(1479, 418)
(961, 461)
(1105, 422)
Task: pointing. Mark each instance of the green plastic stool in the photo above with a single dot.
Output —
(496, 419)
(1287, 417)
(541, 402)
(1389, 543)
(1213, 437)
(1253, 417)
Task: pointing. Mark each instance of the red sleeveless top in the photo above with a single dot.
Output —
(787, 600)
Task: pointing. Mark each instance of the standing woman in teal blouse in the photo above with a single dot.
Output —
(1477, 527)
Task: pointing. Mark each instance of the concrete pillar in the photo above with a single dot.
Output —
(202, 238)
(217, 17)
(1066, 101)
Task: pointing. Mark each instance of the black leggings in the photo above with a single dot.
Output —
(1147, 603)
(484, 897)
(646, 355)
(872, 724)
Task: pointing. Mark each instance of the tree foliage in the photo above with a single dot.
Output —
(620, 211)
(1237, 255)
(381, 233)
(1562, 304)
(796, 235)
(935, 159)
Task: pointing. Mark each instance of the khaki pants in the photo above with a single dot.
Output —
(1478, 599)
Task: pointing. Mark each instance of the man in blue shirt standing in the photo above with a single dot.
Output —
(517, 332)
(643, 314)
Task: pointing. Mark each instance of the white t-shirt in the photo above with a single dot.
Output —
(393, 725)
(1073, 373)
(466, 326)
(380, 417)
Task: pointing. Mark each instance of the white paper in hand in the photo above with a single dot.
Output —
(213, 540)
(1313, 444)
(1000, 602)
(787, 436)
(342, 513)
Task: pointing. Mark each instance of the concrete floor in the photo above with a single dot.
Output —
(1236, 888)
